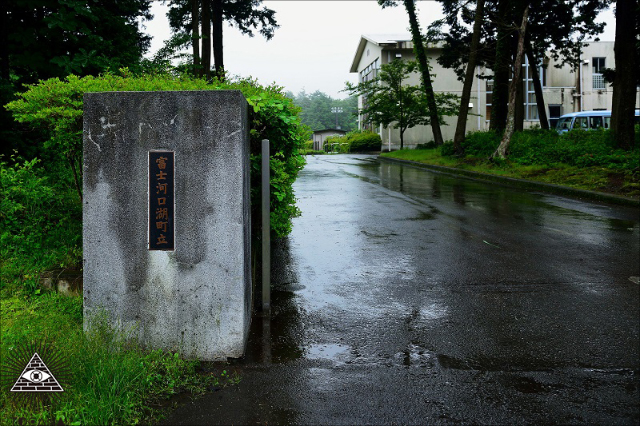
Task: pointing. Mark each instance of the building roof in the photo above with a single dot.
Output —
(393, 41)
(387, 38)
(390, 40)
(330, 130)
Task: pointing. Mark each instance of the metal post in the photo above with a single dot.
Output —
(266, 227)
(336, 111)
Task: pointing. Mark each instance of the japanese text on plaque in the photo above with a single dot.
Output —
(161, 200)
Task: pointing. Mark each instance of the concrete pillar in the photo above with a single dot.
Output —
(196, 295)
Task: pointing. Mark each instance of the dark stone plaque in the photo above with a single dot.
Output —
(161, 200)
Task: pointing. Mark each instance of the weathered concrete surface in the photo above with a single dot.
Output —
(408, 297)
(196, 297)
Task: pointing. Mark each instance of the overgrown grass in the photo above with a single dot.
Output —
(113, 380)
(578, 159)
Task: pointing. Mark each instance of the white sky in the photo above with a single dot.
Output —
(316, 42)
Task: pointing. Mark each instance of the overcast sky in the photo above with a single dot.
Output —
(314, 47)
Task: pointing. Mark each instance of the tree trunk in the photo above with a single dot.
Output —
(206, 38)
(195, 37)
(217, 38)
(624, 82)
(501, 152)
(461, 127)
(5, 74)
(418, 45)
(74, 169)
(501, 69)
(537, 87)
(401, 139)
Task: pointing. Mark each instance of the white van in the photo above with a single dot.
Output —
(586, 120)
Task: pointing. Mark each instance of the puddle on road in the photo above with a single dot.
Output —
(333, 352)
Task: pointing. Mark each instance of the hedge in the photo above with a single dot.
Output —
(55, 106)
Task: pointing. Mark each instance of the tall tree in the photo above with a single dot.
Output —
(423, 64)
(246, 15)
(461, 126)
(624, 83)
(40, 39)
(218, 54)
(501, 151)
(195, 36)
(390, 102)
(206, 38)
(53, 38)
(501, 68)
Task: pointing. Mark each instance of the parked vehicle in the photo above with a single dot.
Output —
(587, 120)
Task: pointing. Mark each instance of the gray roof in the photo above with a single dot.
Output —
(380, 40)
(387, 38)
(396, 41)
(330, 130)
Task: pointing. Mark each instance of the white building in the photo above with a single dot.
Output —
(565, 89)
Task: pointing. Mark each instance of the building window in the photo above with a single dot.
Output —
(370, 71)
(530, 102)
(489, 99)
(529, 95)
(597, 78)
(555, 111)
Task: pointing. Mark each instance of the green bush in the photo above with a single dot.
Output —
(364, 141)
(40, 219)
(56, 107)
(428, 145)
(546, 147)
(340, 144)
(446, 150)
(354, 141)
(576, 148)
(481, 144)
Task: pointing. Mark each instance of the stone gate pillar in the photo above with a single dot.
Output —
(167, 218)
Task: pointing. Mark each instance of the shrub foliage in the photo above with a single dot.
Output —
(546, 147)
(354, 141)
(56, 106)
(40, 219)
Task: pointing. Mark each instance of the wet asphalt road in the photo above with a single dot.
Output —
(408, 297)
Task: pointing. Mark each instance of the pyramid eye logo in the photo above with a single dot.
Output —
(36, 376)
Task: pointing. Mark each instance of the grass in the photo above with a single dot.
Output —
(608, 178)
(112, 379)
(311, 152)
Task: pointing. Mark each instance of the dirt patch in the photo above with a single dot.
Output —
(618, 183)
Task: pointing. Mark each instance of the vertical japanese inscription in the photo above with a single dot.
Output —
(161, 200)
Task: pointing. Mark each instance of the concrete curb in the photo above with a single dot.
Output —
(522, 183)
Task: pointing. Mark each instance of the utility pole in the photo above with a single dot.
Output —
(336, 111)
